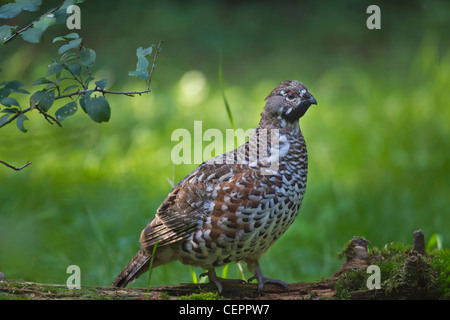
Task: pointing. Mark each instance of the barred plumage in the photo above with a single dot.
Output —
(235, 206)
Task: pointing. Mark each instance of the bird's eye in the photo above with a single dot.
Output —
(290, 95)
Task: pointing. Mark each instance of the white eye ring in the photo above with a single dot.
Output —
(290, 95)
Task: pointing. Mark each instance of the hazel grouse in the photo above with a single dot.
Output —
(234, 207)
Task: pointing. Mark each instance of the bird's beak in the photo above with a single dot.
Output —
(312, 100)
(308, 101)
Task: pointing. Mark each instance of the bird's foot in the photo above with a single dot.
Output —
(219, 281)
(263, 280)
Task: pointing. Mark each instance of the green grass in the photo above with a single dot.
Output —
(150, 271)
(378, 141)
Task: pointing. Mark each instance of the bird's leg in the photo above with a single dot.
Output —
(219, 281)
(263, 280)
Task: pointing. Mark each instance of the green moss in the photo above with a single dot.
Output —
(426, 275)
(348, 251)
(440, 262)
(12, 290)
(5, 296)
(164, 296)
(202, 296)
(349, 282)
(404, 273)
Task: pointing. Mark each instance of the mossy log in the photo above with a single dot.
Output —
(404, 273)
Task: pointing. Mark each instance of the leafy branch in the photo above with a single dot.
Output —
(32, 32)
(74, 57)
(14, 33)
(68, 77)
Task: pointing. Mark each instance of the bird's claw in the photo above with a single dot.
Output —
(219, 281)
(263, 280)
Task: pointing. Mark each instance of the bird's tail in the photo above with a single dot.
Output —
(137, 266)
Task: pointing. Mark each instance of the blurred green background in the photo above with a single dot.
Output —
(378, 141)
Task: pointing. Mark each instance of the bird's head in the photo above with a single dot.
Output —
(288, 101)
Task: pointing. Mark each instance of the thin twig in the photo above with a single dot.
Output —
(16, 168)
(80, 81)
(154, 64)
(102, 91)
(49, 118)
(15, 34)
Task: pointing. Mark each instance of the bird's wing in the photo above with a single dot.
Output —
(184, 208)
(215, 188)
(176, 217)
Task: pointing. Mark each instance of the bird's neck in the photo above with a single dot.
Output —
(279, 123)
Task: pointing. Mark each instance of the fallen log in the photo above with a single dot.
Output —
(400, 272)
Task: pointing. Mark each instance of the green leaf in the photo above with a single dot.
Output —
(4, 93)
(88, 80)
(71, 87)
(70, 36)
(101, 84)
(34, 34)
(14, 84)
(142, 64)
(82, 102)
(98, 109)
(40, 81)
(19, 122)
(10, 10)
(42, 99)
(54, 68)
(10, 110)
(71, 45)
(8, 102)
(66, 111)
(5, 32)
(84, 98)
(139, 74)
(68, 57)
(3, 119)
(75, 69)
(20, 91)
(61, 16)
(87, 57)
(30, 5)
(51, 86)
(44, 22)
(143, 52)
